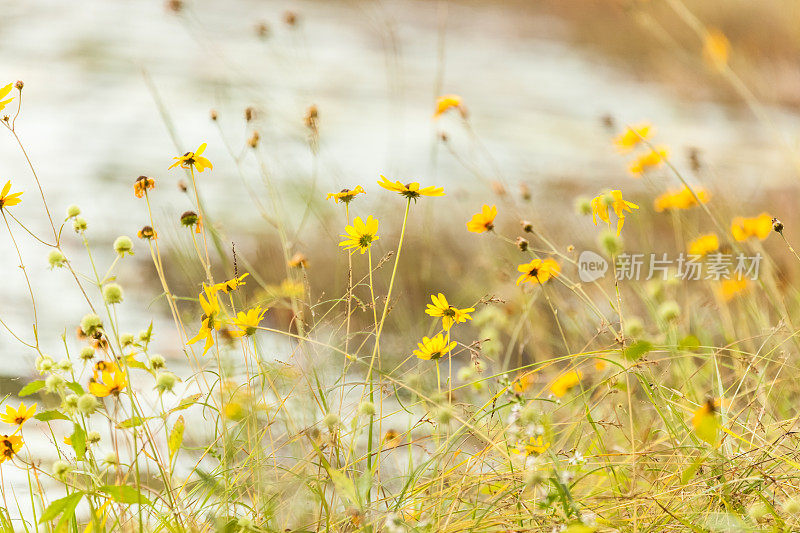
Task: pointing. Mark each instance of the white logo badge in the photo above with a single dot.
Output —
(591, 266)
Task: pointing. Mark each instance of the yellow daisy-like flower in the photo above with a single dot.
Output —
(110, 381)
(446, 102)
(147, 232)
(3, 93)
(632, 136)
(483, 221)
(346, 195)
(538, 271)
(565, 382)
(19, 415)
(744, 228)
(733, 287)
(209, 320)
(247, 322)
(10, 445)
(434, 348)
(227, 286)
(360, 235)
(652, 159)
(449, 314)
(618, 204)
(704, 244)
(716, 49)
(8, 198)
(680, 199)
(536, 445)
(193, 159)
(410, 190)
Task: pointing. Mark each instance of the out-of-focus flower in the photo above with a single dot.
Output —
(744, 228)
(716, 49)
(733, 287)
(632, 136)
(565, 382)
(446, 102)
(681, 199)
(652, 159)
(600, 205)
(705, 422)
(704, 244)
(538, 271)
(3, 93)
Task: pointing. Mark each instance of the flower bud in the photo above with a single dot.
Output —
(112, 293)
(610, 243)
(527, 226)
(44, 364)
(19, 84)
(165, 381)
(777, 225)
(522, 244)
(87, 353)
(93, 437)
(91, 324)
(61, 469)
(65, 365)
(79, 224)
(669, 311)
(71, 402)
(73, 211)
(126, 339)
(54, 383)
(144, 335)
(366, 408)
(123, 245)
(331, 420)
(189, 218)
(87, 404)
(111, 459)
(583, 206)
(56, 259)
(156, 361)
(444, 414)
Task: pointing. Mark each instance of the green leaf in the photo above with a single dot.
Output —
(689, 473)
(31, 388)
(689, 343)
(46, 416)
(78, 440)
(176, 437)
(125, 494)
(637, 350)
(65, 505)
(344, 485)
(132, 422)
(186, 402)
(75, 387)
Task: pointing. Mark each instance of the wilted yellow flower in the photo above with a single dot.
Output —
(360, 235)
(193, 159)
(391, 439)
(345, 195)
(743, 228)
(226, 286)
(110, 381)
(680, 199)
(450, 315)
(141, 185)
(447, 102)
(704, 244)
(3, 93)
(10, 445)
(632, 136)
(247, 322)
(147, 232)
(652, 159)
(6, 199)
(410, 190)
(483, 221)
(19, 415)
(209, 319)
(565, 382)
(434, 348)
(538, 271)
(618, 204)
(705, 422)
(731, 288)
(716, 48)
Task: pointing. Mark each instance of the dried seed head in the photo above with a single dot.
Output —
(213, 115)
(253, 140)
(522, 244)
(249, 113)
(527, 226)
(19, 85)
(777, 225)
(189, 218)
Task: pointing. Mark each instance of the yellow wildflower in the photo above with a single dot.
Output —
(10, 445)
(247, 322)
(410, 190)
(704, 244)
(652, 159)
(6, 199)
(632, 136)
(680, 199)
(110, 381)
(536, 445)
(19, 415)
(565, 382)
(705, 422)
(447, 102)
(450, 315)
(209, 320)
(731, 288)
(483, 221)
(434, 348)
(141, 185)
(193, 159)
(3, 93)
(226, 286)
(538, 271)
(716, 49)
(147, 232)
(360, 235)
(743, 228)
(619, 205)
(346, 195)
